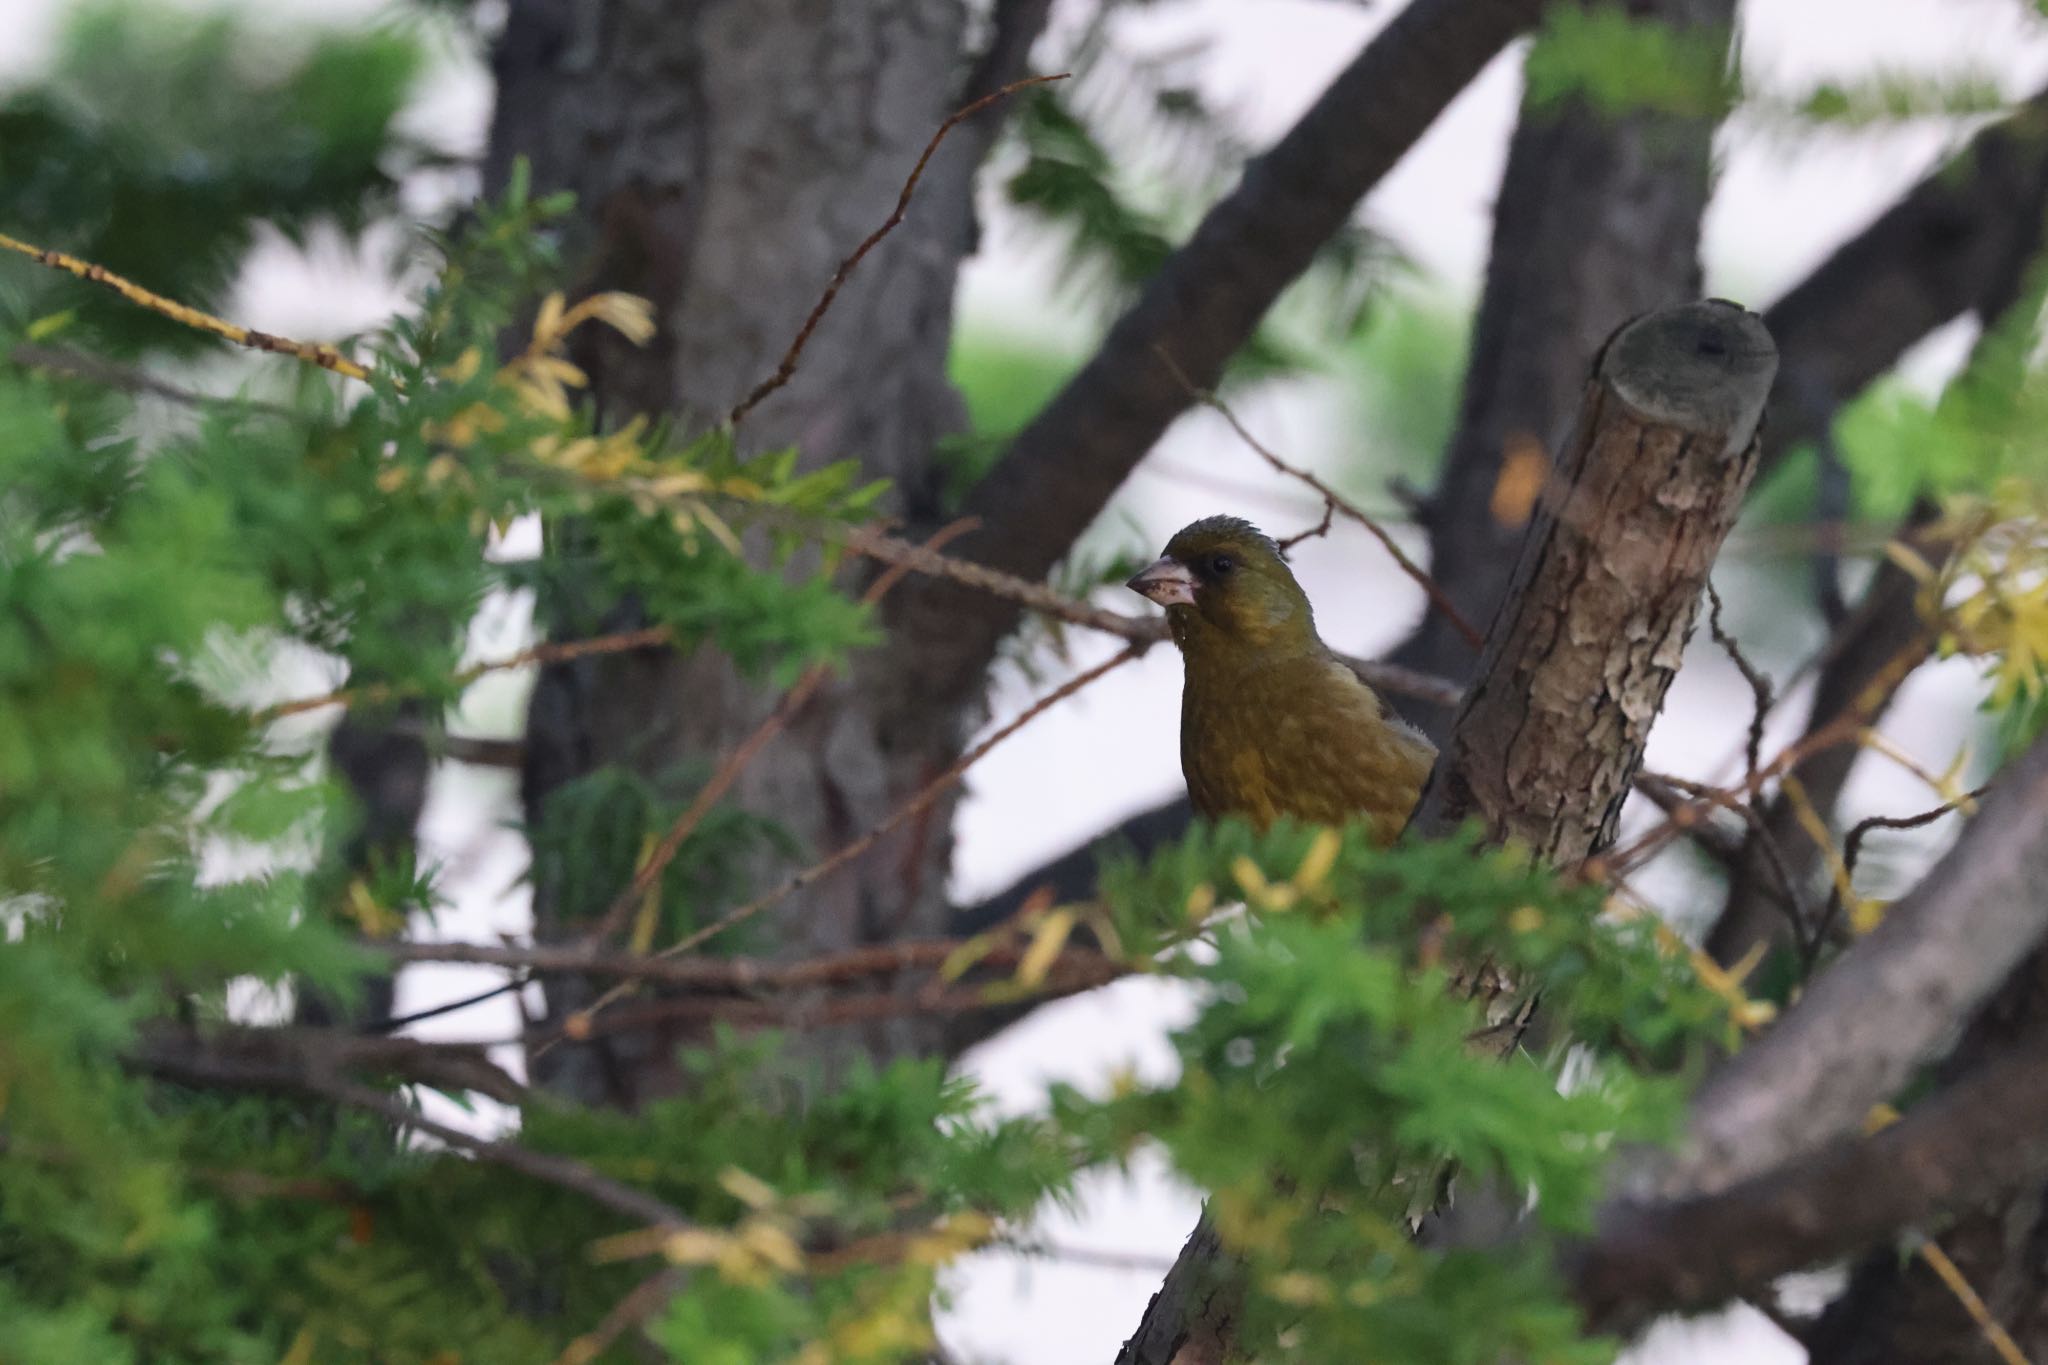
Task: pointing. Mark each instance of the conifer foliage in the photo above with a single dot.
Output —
(185, 1177)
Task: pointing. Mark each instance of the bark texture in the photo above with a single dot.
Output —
(1773, 1175)
(1577, 663)
(726, 156)
(1603, 600)
(1598, 221)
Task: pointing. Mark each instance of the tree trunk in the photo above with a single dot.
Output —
(725, 157)
(1598, 221)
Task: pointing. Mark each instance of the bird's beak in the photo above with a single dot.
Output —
(1167, 582)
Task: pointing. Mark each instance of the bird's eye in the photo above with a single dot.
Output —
(1221, 564)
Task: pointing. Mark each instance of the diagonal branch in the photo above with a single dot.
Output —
(1890, 1003)
(1201, 307)
(1982, 1136)
(312, 1063)
(1597, 221)
(1946, 248)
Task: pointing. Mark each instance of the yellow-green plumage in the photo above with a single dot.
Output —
(1272, 723)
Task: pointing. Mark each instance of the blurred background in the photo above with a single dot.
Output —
(1360, 382)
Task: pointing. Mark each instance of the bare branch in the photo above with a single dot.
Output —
(1597, 221)
(849, 852)
(1946, 248)
(304, 1062)
(227, 1053)
(1547, 741)
(308, 352)
(1760, 692)
(1860, 674)
(130, 379)
(1982, 1136)
(785, 371)
(730, 975)
(740, 755)
(1890, 1002)
(1332, 501)
(1202, 306)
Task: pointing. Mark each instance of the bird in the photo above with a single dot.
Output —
(1273, 724)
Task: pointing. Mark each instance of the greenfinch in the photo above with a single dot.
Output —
(1272, 723)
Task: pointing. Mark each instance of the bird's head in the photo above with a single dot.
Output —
(1226, 588)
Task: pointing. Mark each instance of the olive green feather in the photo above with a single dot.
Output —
(1272, 723)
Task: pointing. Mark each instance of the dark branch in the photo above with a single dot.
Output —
(1597, 222)
(1945, 249)
(313, 1063)
(1982, 1136)
(1548, 740)
(1890, 1003)
(1202, 306)
(279, 1058)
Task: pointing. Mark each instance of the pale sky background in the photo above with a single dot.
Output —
(1776, 213)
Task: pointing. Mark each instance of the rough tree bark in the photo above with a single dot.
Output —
(725, 192)
(726, 156)
(1578, 661)
(1889, 1005)
(1977, 1139)
(1598, 221)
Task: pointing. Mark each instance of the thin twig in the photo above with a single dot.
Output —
(1952, 1277)
(393, 1023)
(311, 352)
(255, 1065)
(1852, 847)
(847, 853)
(549, 652)
(1088, 1256)
(1139, 631)
(731, 975)
(1440, 599)
(873, 543)
(560, 1171)
(744, 753)
(132, 380)
(1759, 684)
(787, 369)
(1759, 837)
(835, 1011)
(1315, 532)
(924, 796)
(1843, 728)
(642, 1302)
